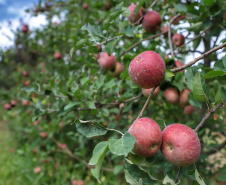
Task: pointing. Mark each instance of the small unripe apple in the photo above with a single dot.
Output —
(25, 73)
(147, 69)
(57, 55)
(180, 145)
(107, 62)
(62, 145)
(148, 137)
(34, 151)
(7, 106)
(171, 95)
(189, 109)
(25, 102)
(37, 170)
(119, 67)
(184, 97)
(26, 83)
(43, 135)
(13, 103)
(136, 18)
(25, 28)
(152, 22)
(85, 6)
(178, 39)
(35, 122)
(146, 92)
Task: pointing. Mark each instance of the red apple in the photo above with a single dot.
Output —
(178, 63)
(37, 170)
(184, 96)
(25, 102)
(152, 22)
(147, 69)
(107, 62)
(171, 95)
(99, 47)
(136, 19)
(25, 73)
(180, 145)
(146, 92)
(7, 106)
(148, 137)
(165, 29)
(176, 21)
(34, 151)
(178, 39)
(35, 122)
(119, 67)
(57, 55)
(13, 103)
(26, 83)
(85, 6)
(62, 145)
(43, 135)
(25, 28)
(189, 109)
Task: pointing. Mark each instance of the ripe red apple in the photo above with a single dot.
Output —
(164, 29)
(25, 28)
(25, 73)
(176, 21)
(171, 95)
(178, 63)
(184, 96)
(76, 182)
(178, 39)
(180, 145)
(148, 137)
(35, 122)
(147, 69)
(13, 103)
(189, 109)
(43, 135)
(57, 55)
(25, 102)
(146, 92)
(7, 106)
(152, 22)
(107, 62)
(85, 6)
(119, 67)
(26, 83)
(136, 18)
(37, 169)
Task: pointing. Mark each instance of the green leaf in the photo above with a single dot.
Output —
(194, 102)
(224, 61)
(90, 128)
(168, 180)
(126, 12)
(169, 74)
(130, 179)
(92, 29)
(198, 92)
(137, 8)
(218, 96)
(208, 2)
(71, 105)
(99, 153)
(122, 146)
(189, 77)
(195, 27)
(83, 42)
(221, 174)
(219, 66)
(110, 46)
(199, 178)
(196, 42)
(161, 124)
(212, 74)
(91, 105)
(128, 30)
(72, 51)
(181, 8)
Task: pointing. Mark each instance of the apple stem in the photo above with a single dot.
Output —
(147, 101)
(178, 175)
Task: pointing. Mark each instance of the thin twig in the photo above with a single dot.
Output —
(108, 40)
(148, 38)
(187, 51)
(178, 175)
(221, 27)
(180, 47)
(197, 59)
(208, 115)
(154, 2)
(216, 149)
(147, 101)
(169, 35)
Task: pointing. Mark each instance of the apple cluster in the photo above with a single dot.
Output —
(178, 143)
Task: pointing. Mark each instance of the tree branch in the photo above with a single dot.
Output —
(108, 40)
(198, 58)
(148, 38)
(214, 150)
(169, 35)
(146, 103)
(154, 2)
(178, 175)
(208, 115)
